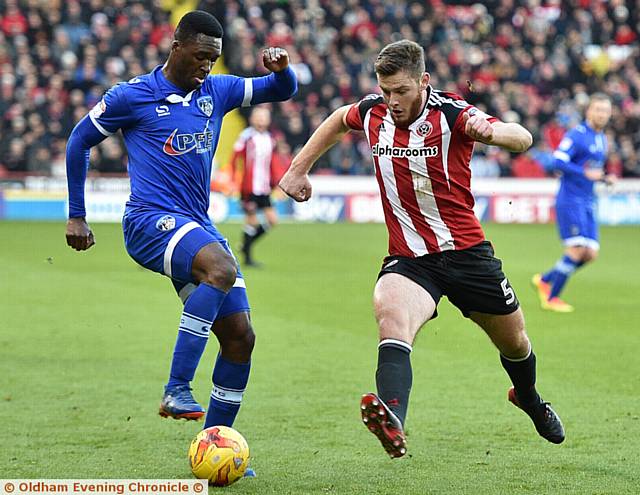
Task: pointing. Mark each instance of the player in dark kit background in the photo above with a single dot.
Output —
(171, 120)
(421, 141)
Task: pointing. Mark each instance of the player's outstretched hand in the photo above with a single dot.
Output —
(79, 235)
(296, 186)
(594, 174)
(275, 59)
(477, 128)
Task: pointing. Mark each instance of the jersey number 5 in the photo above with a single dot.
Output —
(508, 292)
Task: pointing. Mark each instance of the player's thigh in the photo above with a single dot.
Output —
(475, 282)
(170, 244)
(249, 204)
(165, 243)
(507, 332)
(591, 234)
(576, 225)
(401, 307)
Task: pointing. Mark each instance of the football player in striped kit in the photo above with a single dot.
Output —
(255, 148)
(421, 141)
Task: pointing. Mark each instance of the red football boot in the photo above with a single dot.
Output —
(383, 424)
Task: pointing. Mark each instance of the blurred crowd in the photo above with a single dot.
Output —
(533, 62)
(56, 60)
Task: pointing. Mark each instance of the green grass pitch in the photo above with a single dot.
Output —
(86, 340)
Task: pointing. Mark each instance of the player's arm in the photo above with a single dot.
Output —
(83, 137)
(110, 114)
(295, 182)
(509, 136)
(281, 84)
(565, 156)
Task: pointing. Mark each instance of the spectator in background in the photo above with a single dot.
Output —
(529, 59)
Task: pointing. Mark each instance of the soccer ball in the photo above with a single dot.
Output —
(219, 454)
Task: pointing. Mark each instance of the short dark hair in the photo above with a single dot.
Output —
(403, 55)
(197, 22)
(599, 96)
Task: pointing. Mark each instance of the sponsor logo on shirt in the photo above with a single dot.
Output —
(179, 144)
(162, 110)
(397, 152)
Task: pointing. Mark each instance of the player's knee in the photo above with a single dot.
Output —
(221, 274)
(392, 326)
(576, 253)
(516, 347)
(590, 255)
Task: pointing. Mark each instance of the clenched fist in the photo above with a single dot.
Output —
(477, 128)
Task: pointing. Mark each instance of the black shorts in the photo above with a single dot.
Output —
(472, 279)
(253, 202)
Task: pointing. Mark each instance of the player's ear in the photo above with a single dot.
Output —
(424, 80)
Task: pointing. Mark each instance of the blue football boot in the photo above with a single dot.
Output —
(178, 403)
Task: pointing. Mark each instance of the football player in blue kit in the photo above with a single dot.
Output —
(170, 120)
(580, 157)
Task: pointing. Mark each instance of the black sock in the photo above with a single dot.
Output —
(248, 236)
(523, 376)
(394, 376)
(260, 231)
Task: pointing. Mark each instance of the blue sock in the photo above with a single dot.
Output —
(229, 381)
(563, 270)
(199, 313)
(549, 276)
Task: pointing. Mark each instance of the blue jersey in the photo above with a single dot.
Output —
(170, 135)
(582, 148)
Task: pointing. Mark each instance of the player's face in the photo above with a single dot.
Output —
(598, 114)
(195, 58)
(260, 119)
(404, 95)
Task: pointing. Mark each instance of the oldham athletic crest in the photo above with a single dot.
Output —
(166, 223)
(205, 103)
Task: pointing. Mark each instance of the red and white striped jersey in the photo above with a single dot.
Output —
(256, 150)
(423, 173)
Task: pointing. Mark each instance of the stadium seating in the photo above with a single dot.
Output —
(532, 62)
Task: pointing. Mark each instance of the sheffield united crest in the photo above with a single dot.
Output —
(424, 129)
(205, 103)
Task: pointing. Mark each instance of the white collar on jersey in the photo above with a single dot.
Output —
(181, 99)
